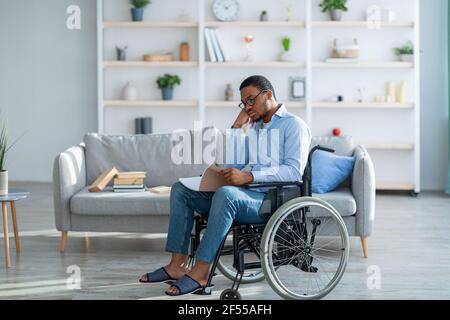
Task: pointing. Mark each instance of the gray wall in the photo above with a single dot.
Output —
(47, 81)
(48, 84)
(434, 81)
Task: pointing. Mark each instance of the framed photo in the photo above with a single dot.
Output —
(297, 88)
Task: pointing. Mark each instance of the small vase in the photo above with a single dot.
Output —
(167, 93)
(3, 183)
(130, 92)
(336, 15)
(137, 14)
(286, 56)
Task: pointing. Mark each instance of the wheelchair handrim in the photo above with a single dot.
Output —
(268, 241)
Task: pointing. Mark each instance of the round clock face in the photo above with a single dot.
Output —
(226, 10)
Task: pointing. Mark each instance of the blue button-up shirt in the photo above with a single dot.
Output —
(276, 153)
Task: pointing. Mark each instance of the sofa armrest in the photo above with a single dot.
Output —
(364, 190)
(69, 177)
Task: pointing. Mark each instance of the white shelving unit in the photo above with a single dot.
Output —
(391, 131)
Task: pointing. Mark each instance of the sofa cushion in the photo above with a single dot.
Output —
(151, 153)
(341, 199)
(108, 202)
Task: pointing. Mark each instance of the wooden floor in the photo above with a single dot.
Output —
(410, 248)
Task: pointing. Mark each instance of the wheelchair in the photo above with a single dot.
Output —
(302, 251)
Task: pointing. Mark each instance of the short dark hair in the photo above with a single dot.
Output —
(260, 82)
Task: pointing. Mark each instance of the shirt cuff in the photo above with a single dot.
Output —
(258, 177)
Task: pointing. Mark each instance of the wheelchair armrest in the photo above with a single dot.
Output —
(273, 185)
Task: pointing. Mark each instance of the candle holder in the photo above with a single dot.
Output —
(248, 40)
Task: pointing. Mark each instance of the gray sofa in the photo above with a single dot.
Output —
(76, 209)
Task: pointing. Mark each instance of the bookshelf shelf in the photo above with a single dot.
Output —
(150, 103)
(145, 64)
(149, 24)
(359, 105)
(364, 65)
(387, 146)
(256, 64)
(234, 104)
(390, 186)
(255, 24)
(361, 24)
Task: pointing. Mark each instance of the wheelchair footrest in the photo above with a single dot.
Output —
(205, 291)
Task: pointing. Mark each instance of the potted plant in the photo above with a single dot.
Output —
(4, 148)
(137, 12)
(166, 83)
(335, 8)
(286, 54)
(405, 53)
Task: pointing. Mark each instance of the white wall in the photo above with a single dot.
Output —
(48, 84)
(47, 81)
(434, 118)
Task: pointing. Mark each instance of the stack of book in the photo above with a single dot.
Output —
(129, 182)
(215, 46)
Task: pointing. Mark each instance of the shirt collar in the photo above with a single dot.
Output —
(281, 112)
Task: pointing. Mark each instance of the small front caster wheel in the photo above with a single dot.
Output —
(230, 294)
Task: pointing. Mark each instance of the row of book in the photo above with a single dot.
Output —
(215, 45)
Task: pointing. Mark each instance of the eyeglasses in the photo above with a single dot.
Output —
(250, 102)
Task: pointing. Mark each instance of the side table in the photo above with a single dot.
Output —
(13, 196)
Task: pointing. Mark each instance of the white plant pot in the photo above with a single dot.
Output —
(286, 56)
(3, 183)
(407, 57)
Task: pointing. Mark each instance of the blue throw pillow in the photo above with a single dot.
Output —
(329, 170)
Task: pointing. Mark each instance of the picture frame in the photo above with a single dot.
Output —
(297, 88)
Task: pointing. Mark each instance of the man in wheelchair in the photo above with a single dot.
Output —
(233, 203)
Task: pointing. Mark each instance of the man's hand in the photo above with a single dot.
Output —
(236, 177)
(241, 120)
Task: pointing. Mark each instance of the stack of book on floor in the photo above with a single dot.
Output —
(129, 182)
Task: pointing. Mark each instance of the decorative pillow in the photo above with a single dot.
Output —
(329, 170)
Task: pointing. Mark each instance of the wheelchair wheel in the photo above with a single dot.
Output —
(225, 264)
(304, 249)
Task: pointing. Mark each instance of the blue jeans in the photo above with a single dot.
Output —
(221, 207)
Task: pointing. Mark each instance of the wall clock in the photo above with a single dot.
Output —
(226, 10)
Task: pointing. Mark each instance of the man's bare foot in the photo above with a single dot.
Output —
(199, 277)
(172, 271)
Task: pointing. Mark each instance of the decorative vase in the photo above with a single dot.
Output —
(264, 16)
(184, 51)
(121, 53)
(286, 56)
(336, 15)
(130, 92)
(229, 93)
(137, 14)
(167, 93)
(3, 183)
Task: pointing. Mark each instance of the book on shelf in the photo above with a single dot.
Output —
(220, 44)
(209, 45)
(216, 45)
